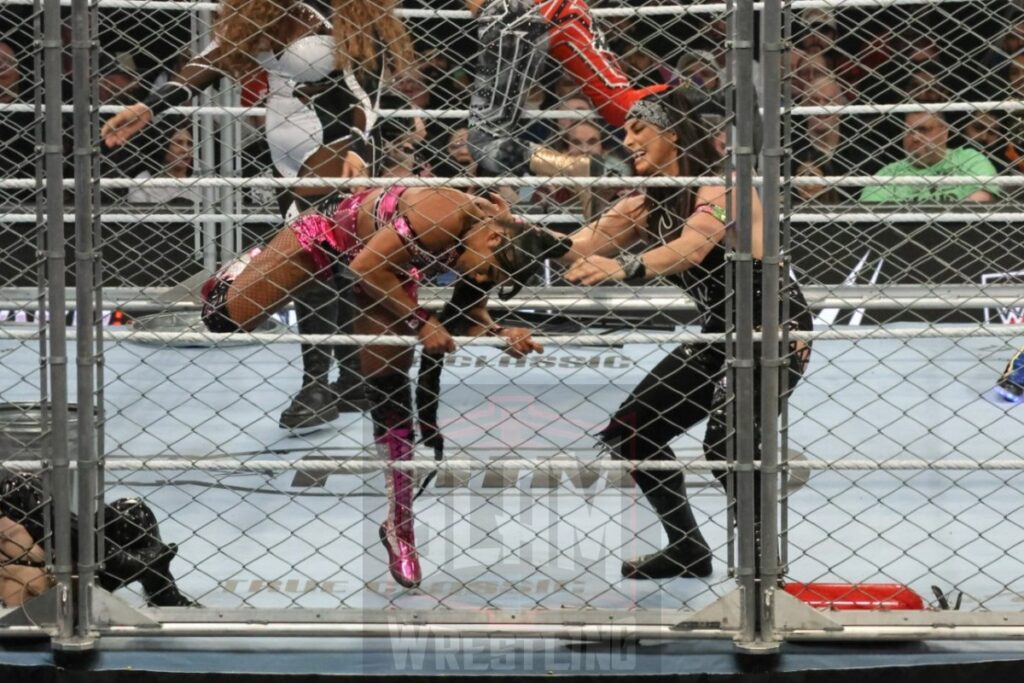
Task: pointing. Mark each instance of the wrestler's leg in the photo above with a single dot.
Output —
(717, 434)
(246, 291)
(673, 397)
(389, 393)
(319, 310)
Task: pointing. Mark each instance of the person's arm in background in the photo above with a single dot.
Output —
(200, 72)
(977, 165)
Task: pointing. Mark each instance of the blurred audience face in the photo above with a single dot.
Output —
(10, 76)
(804, 68)
(924, 86)
(411, 85)
(639, 61)
(584, 138)
(926, 138)
(178, 158)
(983, 129)
(700, 69)
(566, 86)
(573, 104)
(823, 91)
(921, 49)
(818, 32)
(1013, 39)
(1015, 76)
(458, 148)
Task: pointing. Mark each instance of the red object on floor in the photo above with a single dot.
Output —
(872, 596)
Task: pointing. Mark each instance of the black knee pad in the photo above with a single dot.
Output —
(133, 548)
(130, 524)
(390, 398)
(215, 309)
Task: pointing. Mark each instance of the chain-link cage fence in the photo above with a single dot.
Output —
(289, 257)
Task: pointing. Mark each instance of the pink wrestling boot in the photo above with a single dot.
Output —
(397, 532)
(391, 400)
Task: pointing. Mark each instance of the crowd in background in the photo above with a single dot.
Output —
(893, 55)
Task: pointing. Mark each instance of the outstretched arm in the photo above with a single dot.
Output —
(703, 230)
(614, 230)
(200, 72)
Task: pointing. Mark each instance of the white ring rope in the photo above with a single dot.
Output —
(366, 466)
(519, 181)
(658, 10)
(980, 216)
(579, 114)
(142, 217)
(859, 333)
(564, 299)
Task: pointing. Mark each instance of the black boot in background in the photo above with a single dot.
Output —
(315, 405)
(350, 387)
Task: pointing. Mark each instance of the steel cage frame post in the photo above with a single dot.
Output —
(58, 434)
(743, 363)
(84, 155)
(771, 353)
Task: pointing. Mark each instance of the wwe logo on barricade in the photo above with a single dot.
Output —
(1008, 315)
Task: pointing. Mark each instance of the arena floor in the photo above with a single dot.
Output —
(555, 540)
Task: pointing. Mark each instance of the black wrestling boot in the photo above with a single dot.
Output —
(316, 403)
(687, 553)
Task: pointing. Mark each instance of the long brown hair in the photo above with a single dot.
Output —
(365, 31)
(242, 31)
(696, 153)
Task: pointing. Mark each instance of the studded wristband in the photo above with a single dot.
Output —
(633, 266)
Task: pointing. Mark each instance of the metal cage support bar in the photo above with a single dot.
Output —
(57, 440)
(773, 271)
(85, 270)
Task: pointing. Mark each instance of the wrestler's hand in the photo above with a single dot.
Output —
(520, 342)
(120, 127)
(435, 338)
(592, 270)
(17, 544)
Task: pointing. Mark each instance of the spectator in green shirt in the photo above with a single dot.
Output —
(925, 143)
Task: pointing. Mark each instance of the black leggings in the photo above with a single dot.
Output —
(687, 386)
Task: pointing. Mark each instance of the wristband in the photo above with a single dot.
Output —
(633, 266)
(168, 95)
(417, 319)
